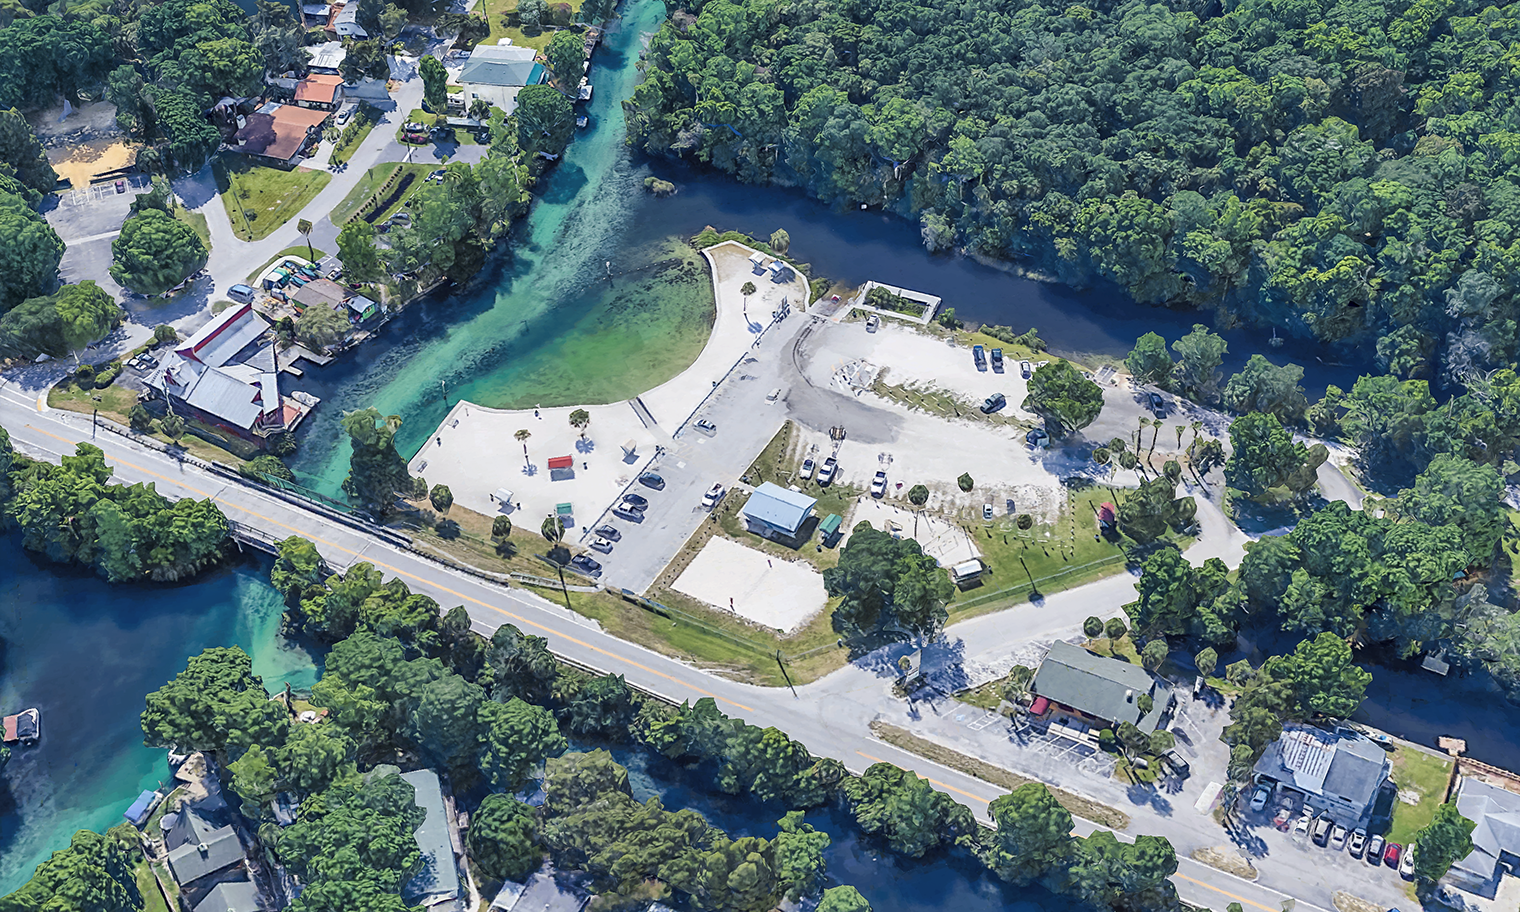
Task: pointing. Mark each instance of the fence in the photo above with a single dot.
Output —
(1032, 587)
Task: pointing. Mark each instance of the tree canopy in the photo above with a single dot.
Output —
(1064, 399)
(155, 251)
(889, 586)
(60, 323)
(1266, 465)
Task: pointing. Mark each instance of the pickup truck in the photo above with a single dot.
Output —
(713, 495)
(826, 472)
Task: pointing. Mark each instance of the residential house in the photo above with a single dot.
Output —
(320, 91)
(323, 292)
(436, 886)
(1495, 839)
(361, 308)
(345, 21)
(230, 896)
(497, 72)
(327, 57)
(199, 842)
(220, 376)
(1338, 772)
(280, 132)
(1098, 689)
(544, 891)
(777, 512)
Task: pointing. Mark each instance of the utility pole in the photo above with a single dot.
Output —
(782, 665)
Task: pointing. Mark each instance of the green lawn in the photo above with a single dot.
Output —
(355, 131)
(153, 897)
(1415, 771)
(494, 10)
(372, 181)
(260, 198)
(197, 223)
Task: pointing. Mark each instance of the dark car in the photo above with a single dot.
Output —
(638, 500)
(1158, 406)
(121, 186)
(994, 403)
(978, 355)
(997, 360)
(1177, 763)
(586, 565)
(608, 532)
(651, 480)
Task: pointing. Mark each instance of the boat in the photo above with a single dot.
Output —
(25, 726)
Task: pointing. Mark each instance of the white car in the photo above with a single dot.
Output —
(1301, 826)
(879, 485)
(987, 512)
(1406, 863)
(602, 545)
(713, 495)
(808, 467)
(826, 474)
(1025, 370)
(1260, 797)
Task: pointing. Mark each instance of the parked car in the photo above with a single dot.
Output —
(1177, 763)
(638, 500)
(1037, 438)
(879, 485)
(773, 395)
(1321, 833)
(1375, 850)
(987, 512)
(1157, 405)
(873, 322)
(586, 565)
(1025, 370)
(1406, 864)
(994, 403)
(436, 175)
(652, 480)
(629, 512)
(121, 186)
(1301, 825)
(1260, 797)
(997, 360)
(808, 467)
(826, 474)
(1357, 844)
(1281, 820)
(602, 545)
(979, 355)
(344, 115)
(1338, 838)
(713, 495)
(241, 293)
(1391, 854)
(608, 532)
(706, 427)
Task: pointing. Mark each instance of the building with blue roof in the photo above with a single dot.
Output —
(777, 512)
(497, 72)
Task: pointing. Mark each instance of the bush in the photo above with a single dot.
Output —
(1115, 629)
(1107, 741)
(560, 14)
(501, 526)
(84, 375)
(1024, 521)
(965, 482)
(282, 444)
(108, 376)
(165, 333)
(140, 419)
(1093, 627)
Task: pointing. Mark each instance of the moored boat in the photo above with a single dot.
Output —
(25, 726)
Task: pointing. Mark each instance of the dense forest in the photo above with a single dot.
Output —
(1342, 169)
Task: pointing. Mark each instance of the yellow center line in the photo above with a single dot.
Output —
(399, 572)
(948, 788)
(1240, 899)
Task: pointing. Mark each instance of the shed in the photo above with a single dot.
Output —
(830, 525)
(757, 260)
(562, 462)
(965, 571)
(776, 511)
(503, 497)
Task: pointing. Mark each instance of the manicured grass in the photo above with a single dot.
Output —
(1079, 806)
(373, 180)
(984, 696)
(1417, 771)
(273, 196)
(197, 223)
(494, 10)
(153, 897)
(116, 403)
(356, 130)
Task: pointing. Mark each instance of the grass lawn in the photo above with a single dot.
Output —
(360, 127)
(1415, 771)
(372, 181)
(197, 223)
(494, 10)
(260, 198)
(116, 402)
(153, 897)
(299, 250)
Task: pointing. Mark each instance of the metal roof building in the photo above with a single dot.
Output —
(1340, 771)
(1495, 839)
(199, 374)
(199, 847)
(1101, 688)
(231, 896)
(776, 511)
(437, 883)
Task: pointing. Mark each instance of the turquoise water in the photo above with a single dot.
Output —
(85, 653)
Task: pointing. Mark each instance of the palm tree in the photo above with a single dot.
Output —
(747, 290)
(1180, 429)
(522, 438)
(1197, 426)
(553, 531)
(579, 419)
(304, 227)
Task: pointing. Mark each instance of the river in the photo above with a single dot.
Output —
(544, 326)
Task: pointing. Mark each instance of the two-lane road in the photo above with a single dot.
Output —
(831, 716)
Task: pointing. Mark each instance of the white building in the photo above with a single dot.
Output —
(346, 22)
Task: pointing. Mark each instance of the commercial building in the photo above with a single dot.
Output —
(435, 886)
(777, 512)
(1495, 839)
(1098, 689)
(280, 132)
(497, 72)
(1338, 772)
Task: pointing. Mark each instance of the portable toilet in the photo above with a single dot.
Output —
(757, 261)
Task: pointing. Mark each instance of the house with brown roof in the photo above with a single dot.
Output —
(320, 91)
(280, 132)
(323, 292)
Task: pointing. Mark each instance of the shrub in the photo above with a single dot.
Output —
(560, 14)
(965, 482)
(1093, 627)
(1107, 741)
(1024, 521)
(140, 419)
(501, 526)
(1115, 629)
(108, 376)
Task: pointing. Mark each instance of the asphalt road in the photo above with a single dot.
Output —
(830, 716)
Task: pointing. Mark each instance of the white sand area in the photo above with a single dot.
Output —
(767, 590)
(944, 541)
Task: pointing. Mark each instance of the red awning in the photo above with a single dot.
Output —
(1039, 706)
(562, 462)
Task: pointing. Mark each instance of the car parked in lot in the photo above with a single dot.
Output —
(1179, 766)
(994, 403)
(873, 322)
(638, 500)
(1037, 438)
(1281, 820)
(586, 565)
(601, 544)
(706, 427)
(1406, 864)
(879, 485)
(629, 512)
(979, 355)
(1391, 854)
(1357, 844)
(1157, 405)
(997, 360)
(1375, 850)
(1025, 370)
(987, 512)
(1321, 833)
(1338, 838)
(121, 186)
(1260, 797)
(241, 293)
(808, 468)
(1301, 825)
(713, 495)
(652, 480)
(826, 474)
(608, 532)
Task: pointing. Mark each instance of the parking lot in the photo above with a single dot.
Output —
(87, 220)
